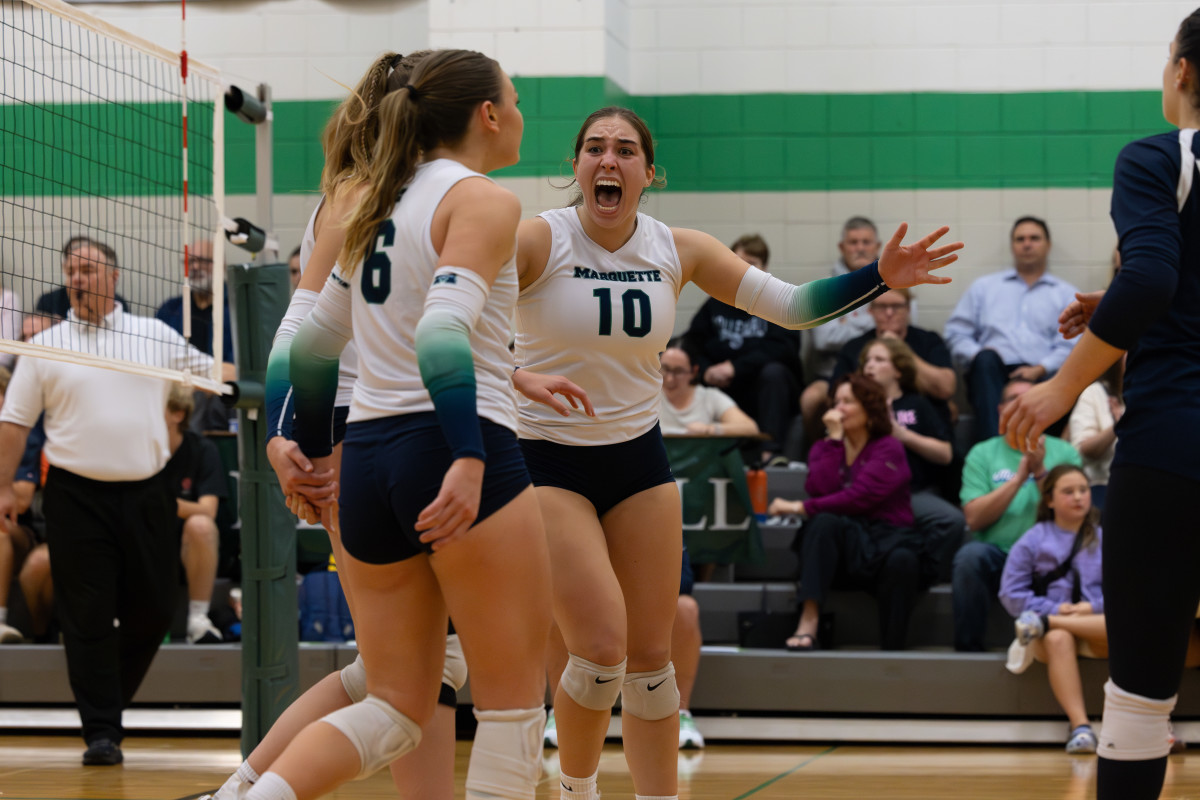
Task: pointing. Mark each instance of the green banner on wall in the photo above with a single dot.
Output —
(718, 526)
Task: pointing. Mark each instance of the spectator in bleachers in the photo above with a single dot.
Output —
(859, 246)
(52, 307)
(859, 530)
(1051, 584)
(108, 516)
(14, 545)
(1006, 325)
(197, 482)
(999, 497)
(892, 312)
(200, 279)
(209, 413)
(691, 409)
(926, 439)
(755, 362)
(294, 270)
(1092, 427)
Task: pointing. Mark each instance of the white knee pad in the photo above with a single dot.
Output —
(1134, 728)
(593, 686)
(354, 680)
(650, 695)
(379, 732)
(506, 758)
(454, 669)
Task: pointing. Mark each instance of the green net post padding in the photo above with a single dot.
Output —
(270, 631)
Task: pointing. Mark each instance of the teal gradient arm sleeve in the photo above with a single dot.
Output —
(279, 383)
(809, 304)
(313, 367)
(443, 345)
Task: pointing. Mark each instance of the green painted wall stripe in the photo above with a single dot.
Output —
(762, 142)
(103, 149)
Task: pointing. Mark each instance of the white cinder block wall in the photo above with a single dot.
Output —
(304, 48)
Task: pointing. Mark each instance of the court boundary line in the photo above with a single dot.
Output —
(783, 775)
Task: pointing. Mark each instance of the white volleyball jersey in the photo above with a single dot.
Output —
(348, 364)
(600, 319)
(388, 299)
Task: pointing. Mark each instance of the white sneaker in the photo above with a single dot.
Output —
(689, 734)
(550, 736)
(200, 630)
(1028, 626)
(10, 635)
(1019, 657)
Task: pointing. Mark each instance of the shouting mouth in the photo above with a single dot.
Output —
(608, 194)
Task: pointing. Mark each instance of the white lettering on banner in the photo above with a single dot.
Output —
(698, 526)
(721, 507)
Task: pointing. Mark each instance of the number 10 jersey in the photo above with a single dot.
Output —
(600, 319)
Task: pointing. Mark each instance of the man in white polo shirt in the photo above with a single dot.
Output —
(110, 519)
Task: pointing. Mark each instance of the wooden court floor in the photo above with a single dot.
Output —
(167, 768)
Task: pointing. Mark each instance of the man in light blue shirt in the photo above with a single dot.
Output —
(1006, 325)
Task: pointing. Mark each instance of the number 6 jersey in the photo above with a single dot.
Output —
(600, 319)
(387, 294)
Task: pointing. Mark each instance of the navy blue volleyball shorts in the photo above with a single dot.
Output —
(605, 474)
(392, 468)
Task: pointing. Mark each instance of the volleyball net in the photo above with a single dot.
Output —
(111, 192)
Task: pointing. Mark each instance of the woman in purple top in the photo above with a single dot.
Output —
(859, 528)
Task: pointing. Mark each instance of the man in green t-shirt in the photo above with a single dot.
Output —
(999, 496)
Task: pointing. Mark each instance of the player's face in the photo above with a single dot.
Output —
(878, 366)
(612, 171)
(1071, 499)
(890, 312)
(1030, 245)
(859, 247)
(512, 123)
(91, 282)
(1170, 95)
(854, 416)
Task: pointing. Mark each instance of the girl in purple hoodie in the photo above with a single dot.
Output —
(1051, 584)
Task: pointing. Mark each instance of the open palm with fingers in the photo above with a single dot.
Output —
(902, 265)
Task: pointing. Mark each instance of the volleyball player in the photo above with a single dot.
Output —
(599, 284)
(437, 511)
(1152, 311)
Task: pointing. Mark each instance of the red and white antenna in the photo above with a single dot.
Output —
(183, 73)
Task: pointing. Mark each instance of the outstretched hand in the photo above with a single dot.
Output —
(902, 266)
(1075, 318)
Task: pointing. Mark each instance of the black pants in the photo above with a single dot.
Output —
(1151, 590)
(772, 398)
(855, 554)
(114, 554)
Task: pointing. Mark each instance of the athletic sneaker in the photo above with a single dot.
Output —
(200, 630)
(10, 635)
(1081, 741)
(689, 735)
(1028, 627)
(550, 736)
(1019, 657)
